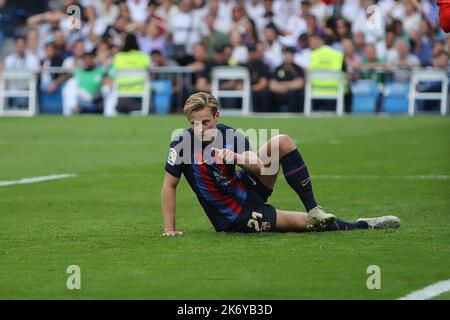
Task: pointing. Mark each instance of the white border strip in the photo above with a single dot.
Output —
(429, 292)
(362, 177)
(37, 179)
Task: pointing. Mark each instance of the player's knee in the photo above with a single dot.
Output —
(286, 144)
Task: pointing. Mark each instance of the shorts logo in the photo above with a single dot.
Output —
(172, 157)
(265, 226)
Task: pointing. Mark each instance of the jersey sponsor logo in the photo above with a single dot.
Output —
(172, 157)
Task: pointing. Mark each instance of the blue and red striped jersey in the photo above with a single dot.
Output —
(220, 188)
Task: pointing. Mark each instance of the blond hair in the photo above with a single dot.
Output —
(199, 101)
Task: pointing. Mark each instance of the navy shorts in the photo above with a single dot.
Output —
(256, 215)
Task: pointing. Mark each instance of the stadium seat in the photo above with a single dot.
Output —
(335, 92)
(219, 74)
(29, 92)
(365, 96)
(395, 98)
(162, 96)
(441, 96)
(50, 103)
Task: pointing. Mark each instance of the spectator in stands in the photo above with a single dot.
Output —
(352, 60)
(283, 10)
(93, 29)
(137, 9)
(399, 30)
(166, 9)
(185, 31)
(224, 18)
(33, 43)
(124, 11)
(239, 53)
(287, 83)
(391, 52)
(412, 17)
(104, 56)
(158, 60)
(60, 44)
(220, 59)
(75, 61)
(200, 58)
(343, 31)
(371, 60)
(359, 41)
(201, 8)
(115, 33)
(50, 81)
(108, 12)
(20, 59)
(250, 35)
(273, 55)
(303, 56)
(82, 93)
(403, 62)
(45, 23)
(255, 11)
(239, 19)
(154, 18)
(213, 37)
(373, 66)
(447, 43)
(259, 77)
(312, 28)
(268, 17)
(324, 57)
(294, 27)
(438, 46)
(129, 57)
(152, 40)
(319, 10)
(404, 59)
(421, 48)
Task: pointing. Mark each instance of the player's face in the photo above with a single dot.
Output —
(204, 124)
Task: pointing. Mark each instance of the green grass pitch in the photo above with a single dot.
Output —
(107, 220)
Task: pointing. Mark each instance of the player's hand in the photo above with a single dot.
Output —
(172, 233)
(224, 155)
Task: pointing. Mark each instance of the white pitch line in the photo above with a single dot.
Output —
(37, 179)
(362, 177)
(429, 292)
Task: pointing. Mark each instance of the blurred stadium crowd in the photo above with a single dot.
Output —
(276, 40)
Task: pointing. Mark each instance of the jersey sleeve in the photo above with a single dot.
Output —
(174, 164)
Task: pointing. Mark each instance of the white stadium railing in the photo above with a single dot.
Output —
(23, 84)
(428, 75)
(219, 74)
(310, 95)
(18, 83)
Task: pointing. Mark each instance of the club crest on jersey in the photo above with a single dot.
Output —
(172, 157)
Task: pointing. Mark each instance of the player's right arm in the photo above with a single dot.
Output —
(168, 204)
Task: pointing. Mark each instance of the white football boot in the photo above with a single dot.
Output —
(385, 222)
(319, 219)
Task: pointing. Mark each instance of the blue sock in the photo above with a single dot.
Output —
(297, 176)
(344, 225)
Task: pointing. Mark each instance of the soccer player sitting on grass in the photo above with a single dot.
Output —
(236, 200)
